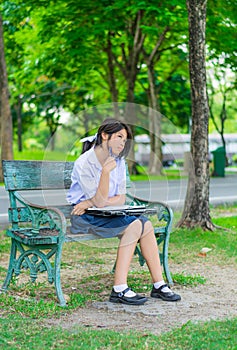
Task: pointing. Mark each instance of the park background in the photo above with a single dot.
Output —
(69, 63)
(65, 59)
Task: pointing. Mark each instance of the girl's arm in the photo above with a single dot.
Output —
(81, 207)
(116, 200)
(101, 199)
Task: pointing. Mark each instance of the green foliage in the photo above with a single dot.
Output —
(176, 101)
(68, 67)
(221, 23)
(18, 332)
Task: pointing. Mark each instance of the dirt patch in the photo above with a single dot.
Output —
(216, 299)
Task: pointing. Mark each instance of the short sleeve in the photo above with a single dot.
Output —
(87, 179)
(89, 182)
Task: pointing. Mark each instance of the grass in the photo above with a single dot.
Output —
(18, 333)
(25, 309)
(170, 173)
(43, 155)
(186, 244)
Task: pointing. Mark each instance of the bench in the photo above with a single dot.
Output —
(38, 232)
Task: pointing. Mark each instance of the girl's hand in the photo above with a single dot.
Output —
(80, 208)
(109, 164)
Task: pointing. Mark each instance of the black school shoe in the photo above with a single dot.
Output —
(120, 298)
(167, 296)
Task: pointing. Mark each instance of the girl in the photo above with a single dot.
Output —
(99, 179)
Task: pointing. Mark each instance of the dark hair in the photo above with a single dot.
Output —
(110, 126)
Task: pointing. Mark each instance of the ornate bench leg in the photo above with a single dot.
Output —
(57, 278)
(11, 265)
(140, 256)
(165, 262)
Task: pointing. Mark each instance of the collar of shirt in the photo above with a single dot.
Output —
(92, 158)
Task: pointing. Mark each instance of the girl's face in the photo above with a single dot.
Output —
(117, 141)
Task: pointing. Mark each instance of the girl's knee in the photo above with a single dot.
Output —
(134, 230)
(148, 227)
(138, 229)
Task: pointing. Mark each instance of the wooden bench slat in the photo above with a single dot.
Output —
(36, 175)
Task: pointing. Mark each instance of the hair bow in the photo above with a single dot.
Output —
(89, 138)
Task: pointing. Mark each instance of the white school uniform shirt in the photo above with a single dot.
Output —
(86, 176)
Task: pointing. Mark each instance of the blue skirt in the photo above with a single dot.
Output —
(104, 226)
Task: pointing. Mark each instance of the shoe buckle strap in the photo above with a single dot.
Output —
(121, 294)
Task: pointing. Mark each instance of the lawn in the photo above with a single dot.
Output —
(19, 333)
(26, 307)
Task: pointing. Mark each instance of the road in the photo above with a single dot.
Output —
(222, 190)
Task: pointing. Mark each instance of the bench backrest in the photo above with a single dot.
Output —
(36, 175)
(39, 175)
(49, 175)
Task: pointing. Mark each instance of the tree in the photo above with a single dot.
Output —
(117, 34)
(196, 208)
(98, 49)
(221, 58)
(5, 110)
(224, 93)
(221, 32)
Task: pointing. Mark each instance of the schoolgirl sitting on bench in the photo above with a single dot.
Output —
(99, 179)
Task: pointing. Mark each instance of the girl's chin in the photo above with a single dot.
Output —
(117, 153)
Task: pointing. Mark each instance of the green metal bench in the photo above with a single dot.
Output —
(38, 232)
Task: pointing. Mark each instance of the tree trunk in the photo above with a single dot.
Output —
(130, 71)
(111, 77)
(52, 138)
(196, 208)
(222, 117)
(5, 110)
(18, 110)
(155, 161)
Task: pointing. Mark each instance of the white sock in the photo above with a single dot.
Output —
(121, 287)
(161, 283)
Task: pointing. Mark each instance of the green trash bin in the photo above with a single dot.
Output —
(219, 158)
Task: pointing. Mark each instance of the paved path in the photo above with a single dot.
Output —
(222, 190)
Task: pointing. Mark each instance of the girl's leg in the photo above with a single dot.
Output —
(120, 292)
(149, 250)
(125, 251)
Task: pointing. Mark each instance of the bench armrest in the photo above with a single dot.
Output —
(38, 215)
(164, 212)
